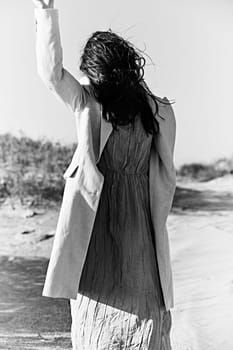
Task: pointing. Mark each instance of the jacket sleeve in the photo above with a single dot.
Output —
(165, 139)
(49, 61)
(167, 133)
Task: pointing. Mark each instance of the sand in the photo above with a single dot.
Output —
(202, 260)
(201, 239)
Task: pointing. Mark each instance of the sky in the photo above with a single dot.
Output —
(190, 46)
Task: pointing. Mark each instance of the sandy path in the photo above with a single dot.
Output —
(201, 238)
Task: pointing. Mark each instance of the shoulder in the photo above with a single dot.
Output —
(165, 110)
(91, 107)
(88, 92)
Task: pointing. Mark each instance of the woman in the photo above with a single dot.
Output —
(111, 254)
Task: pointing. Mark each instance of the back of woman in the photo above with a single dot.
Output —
(120, 301)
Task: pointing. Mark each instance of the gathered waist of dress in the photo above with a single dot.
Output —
(124, 172)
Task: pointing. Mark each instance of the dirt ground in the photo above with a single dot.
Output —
(200, 229)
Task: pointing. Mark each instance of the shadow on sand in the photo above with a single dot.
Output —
(205, 200)
(26, 318)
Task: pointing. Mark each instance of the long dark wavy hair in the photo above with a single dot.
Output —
(116, 71)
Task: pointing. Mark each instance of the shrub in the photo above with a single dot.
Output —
(32, 168)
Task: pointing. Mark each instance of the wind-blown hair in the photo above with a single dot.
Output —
(116, 70)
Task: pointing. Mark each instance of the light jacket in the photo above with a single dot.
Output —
(84, 181)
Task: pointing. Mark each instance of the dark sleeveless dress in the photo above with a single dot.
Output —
(119, 303)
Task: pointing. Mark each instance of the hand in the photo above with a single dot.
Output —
(44, 4)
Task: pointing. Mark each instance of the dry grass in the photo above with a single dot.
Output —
(31, 170)
(206, 171)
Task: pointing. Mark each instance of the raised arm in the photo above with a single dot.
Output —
(50, 59)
